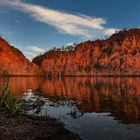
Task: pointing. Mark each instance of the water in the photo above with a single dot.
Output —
(103, 108)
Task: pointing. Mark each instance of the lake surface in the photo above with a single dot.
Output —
(97, 108)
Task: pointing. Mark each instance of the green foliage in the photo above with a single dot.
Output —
(9, 101)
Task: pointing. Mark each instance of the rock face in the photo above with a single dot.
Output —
(13, 62)
(117, 55)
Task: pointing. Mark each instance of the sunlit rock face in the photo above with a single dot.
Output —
(117, 55)
(13, 62)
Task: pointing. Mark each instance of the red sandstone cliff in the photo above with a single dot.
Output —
(13, 62)
(117, 55)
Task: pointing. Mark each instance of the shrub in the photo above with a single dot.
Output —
(8, 101)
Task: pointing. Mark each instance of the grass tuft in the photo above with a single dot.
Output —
(8, 101)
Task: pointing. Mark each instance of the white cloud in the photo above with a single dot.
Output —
(73, 24)
(69, 44)
(37, 49)
(32, 51)
(110, 31)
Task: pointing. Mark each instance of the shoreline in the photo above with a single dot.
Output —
(27, 127)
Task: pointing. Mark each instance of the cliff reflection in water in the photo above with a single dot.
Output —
(118, 96)
(20, 85)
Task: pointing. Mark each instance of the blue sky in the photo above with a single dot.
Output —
(34, 26)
